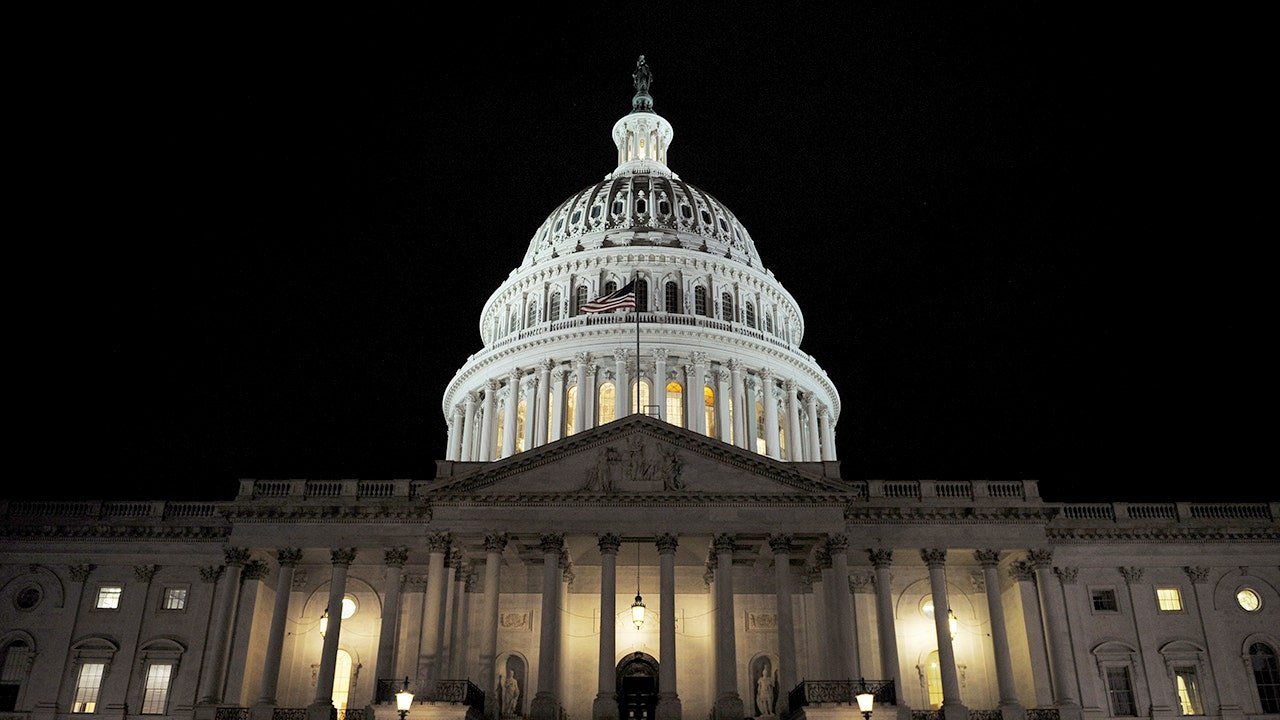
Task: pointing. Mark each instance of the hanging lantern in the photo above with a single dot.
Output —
(324, 622)
(637, 612)
(952, 622)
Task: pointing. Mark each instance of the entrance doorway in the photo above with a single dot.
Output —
(637, 687)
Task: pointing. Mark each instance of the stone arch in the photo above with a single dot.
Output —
(757, 664)
(43, 576)
(1224, 591)
(522, 671)
(901, 607)
(318, 598)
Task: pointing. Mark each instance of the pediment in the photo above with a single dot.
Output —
(638, 456)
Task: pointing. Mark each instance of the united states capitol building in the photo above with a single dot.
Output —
(639, 515)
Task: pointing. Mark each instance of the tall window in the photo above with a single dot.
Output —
(554, 311)
(109, 597)
(155, 690)
(512, 327)
(933, 676)
(175, 598)
(672, 297)
(700, 301)
(1266, 676)
(570, 410)
(17, 660)
(1188, 691)
(522, 433)
(1169, 599)
(88, 683)
(501, 431)
(709, 401)
(761, 446)
(640, 388)
(579, 299)
(675, 403)
(342, 680)
(726, 307)
(609, 287)
(751, 314)
(768, 323)
(1120, 691)
(642, 295)
(608, 409)
(531, 317)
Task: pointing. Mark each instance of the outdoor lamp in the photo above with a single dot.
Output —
(952, 622)
(404, 700)
(324, 622)
(866, 701)
(637, 607)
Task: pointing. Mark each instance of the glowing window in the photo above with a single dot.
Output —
(1188, 691)
(709, 399)
(570, 410)
(109, 597)
(175, 598)
(607, 403)
(521, 436)
(641, 388)
(349, 607)
(88, 683)
(672, 293)
(675, 404)
(1249, 600)
(933, 674)
(342, 679)
(155, 689)
(1169, 599)
(761, 446)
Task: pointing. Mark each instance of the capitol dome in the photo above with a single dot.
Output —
(718, 335)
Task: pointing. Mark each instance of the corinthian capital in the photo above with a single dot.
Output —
(343, 556)
(1132, 574)
(1040, 558)
(439, 542)
(620, 355)
(837, 543)
(880, 557)
(609, 544)
(936, 557)
(1067, 575)
(780, 543)
(580, 359)
(667, 544)
(235, 555)
(660, 354)
(987, 557)
(396, 556)
(699, 358)
(551, 542)
(495, 542)
(723, 543)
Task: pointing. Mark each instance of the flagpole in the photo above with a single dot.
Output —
(634, 277)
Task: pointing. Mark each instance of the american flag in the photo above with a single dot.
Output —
(624, 298)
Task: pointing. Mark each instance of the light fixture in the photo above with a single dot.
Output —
(404, 700)
(866, 700)
(952, 622)
(324, 622)
(637, 607)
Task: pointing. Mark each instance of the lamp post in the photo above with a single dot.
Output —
(866, 700)
(404, 700)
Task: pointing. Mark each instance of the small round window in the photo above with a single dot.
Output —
(1248, 599)
(349, 607)
(27, 598)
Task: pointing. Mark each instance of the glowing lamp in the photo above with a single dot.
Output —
(637, 612)
(866, 701)
(952, 623)
(404, 700)
(324, 622)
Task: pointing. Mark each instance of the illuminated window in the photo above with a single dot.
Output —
(554, 310)
(672, 297)
(726, 307)
(709, 400)
(342, 680)
(675, 404)
(579, 299)
(1266, 676)
(500, 435)
(1188, 691)
(933, 675)
(155, 689)
(109, 597)
(349, 607)
(642, 295)
(1249, 600)
(1120, 692)
(761, 446)
(570, 410)
(642, 388)
(700, 301)
(88, 682)
(522, 440)
(175, 598)
(751, 315)
(1169, 599)
(1104, 600)
(607, 403)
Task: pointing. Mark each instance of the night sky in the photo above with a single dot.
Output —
(257, 245)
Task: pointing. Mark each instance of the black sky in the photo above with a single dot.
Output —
(257, 245)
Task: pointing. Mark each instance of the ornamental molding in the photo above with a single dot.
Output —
(667, 543)
(116, 532)
(1067, 575)
(235, 555)
(255, 570)
(1021, 571)
(211, 573)
(288, 557)
(396, 556)
(859, 513)
(80, 572)
(327, 511)
(1132, 574)
(1163, 535)
(1197, 575)
(145, 572)
(609, 543)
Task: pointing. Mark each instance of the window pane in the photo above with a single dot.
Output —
(1170, 599)
(17, 659)
(1249, 600)
(933, 674)
(607, 408)
(1266, 676)
(522, 443)
(709, 399)
(342, 680)
(175, 598)
(675, 404)
(672, 297)
(109, 597)
(155, 693)
(1188, 692)
(1104, 600)
(570, 410)
(87, 685)
(1120, 691)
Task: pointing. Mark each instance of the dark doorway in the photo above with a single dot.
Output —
(637, 687)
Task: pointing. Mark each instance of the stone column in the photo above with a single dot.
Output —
(557, 405)
(692, 403)
(212, 679)
(781, 546)
(593, 415)
(811, 408)
(697, 397)
(488, 428)
(462, 666)
(433, 607)
(459, 424)
(544, 398)
(288, 559)
(451, 445)
(584, 392)
(621, 385)
(468, 426)
(1055, 617)
(952, 706)
(824, 587)
(659, 394)
(452, 588)
(795, 445)
(749, 415)
(530, 410)
(389, 632)
(322, 706)
(1024, 583)
(724, 422)
(770, 415)
(494, 544)
(605, 706)
(728, 705)
(847, 638)
(740, 406)
(546, 706)
(828, 440)
(881, 559)
(509, 420)
(989, 559)
(668, 698)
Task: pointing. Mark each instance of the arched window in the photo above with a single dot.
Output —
(672, 297)
(511, 323)
(342, 680)
(700, 301)
(761, 446)
(522, 437)
(15, 663)
(642, 295)
(579, 299)
(607, 403)
(531, 318)
(782, 438)
(570, 408)
(675, 404)
(641, 387)
(726, 307)
(768, 323)
(609, 287)
(1266, 676)
(501, 431)
(933, 677)
(709, 400)
(553, 312)
(751, 315)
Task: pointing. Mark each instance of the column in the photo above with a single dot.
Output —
(452, 562)
(724, 422)
(530, 410)
(456, 628)
(659, 395)
(696, 393)
(749, 414)
(668, 698)
(770, 416)
(592, 415)
(546, 705)
(1055, 618)
(509, 420)
(557, 405)
(220, 626)
(433, 607)
(462, 666)
(811, 407)
(451, 445)
(989, 559)
(781, 546)
(824, 429)
(795, 446)
(580, 406)
(825, 588)
(741, 408)
(459, 423)
(621, 385)
(544, 397)
(605, 706)
(881, 559)
(952, 707)
(389, 632)
(847, 633)
(728, 704)
(494, 544)
(322, 706)
(288, 559)
(692, 403)
(468, 426)
(1028, 609)
(488, 429)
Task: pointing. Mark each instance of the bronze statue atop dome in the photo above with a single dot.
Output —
(642, 77)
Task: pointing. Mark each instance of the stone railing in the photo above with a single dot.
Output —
(251, 489)
(112, 510)
(289, 714)
(231, 713)
(1042, 714)
(1002, 491)
(353, 714)
(463, 692)
(985, 715)
(1120, 513)
(844, 692)
(926, 715)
